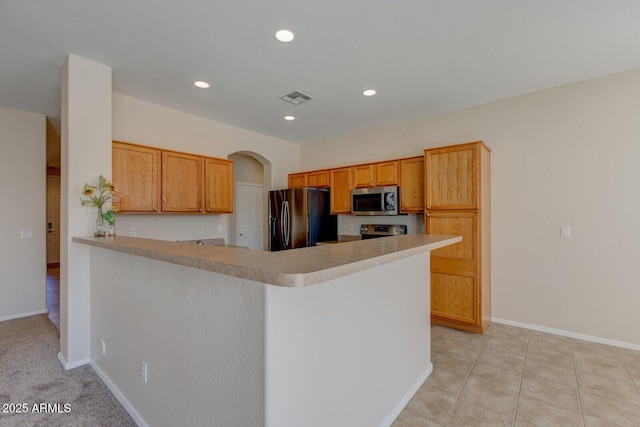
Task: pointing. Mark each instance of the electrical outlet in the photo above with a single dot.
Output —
(422, 228)
(350, 227)
(200, 230)
(132, 232)
(26, 234)
(144, 372)
(220, 229)
(565, 231)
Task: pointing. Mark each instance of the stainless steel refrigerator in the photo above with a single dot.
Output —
(300, 217)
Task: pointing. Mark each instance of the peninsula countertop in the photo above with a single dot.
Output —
(293, 268)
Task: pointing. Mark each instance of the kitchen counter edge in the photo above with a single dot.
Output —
(292, 268)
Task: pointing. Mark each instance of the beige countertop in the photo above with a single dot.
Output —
(298, 267)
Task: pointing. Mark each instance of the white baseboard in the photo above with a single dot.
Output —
(17, 316)
(119, 395)
(66, 365)
(407, 397)
(568, 334)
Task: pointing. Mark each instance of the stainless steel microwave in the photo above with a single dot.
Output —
(375, 201)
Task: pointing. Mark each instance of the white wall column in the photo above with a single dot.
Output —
(86, 154)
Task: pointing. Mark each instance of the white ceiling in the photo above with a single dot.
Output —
(422, 56)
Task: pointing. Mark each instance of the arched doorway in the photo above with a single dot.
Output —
(252, 183)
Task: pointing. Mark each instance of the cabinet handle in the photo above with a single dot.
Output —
(428, 207)
(199, 210)
(428, 214)
(155, 209)
(208, 210)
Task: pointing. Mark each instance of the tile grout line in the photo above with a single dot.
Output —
(466, 379)
(627, 369)
(524, 363)
(575, 371)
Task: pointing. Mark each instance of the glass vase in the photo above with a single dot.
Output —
(111, 229)
(100, 230)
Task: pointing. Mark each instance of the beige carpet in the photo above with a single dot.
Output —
(31, 374)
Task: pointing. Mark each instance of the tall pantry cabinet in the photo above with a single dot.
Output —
(458, 202)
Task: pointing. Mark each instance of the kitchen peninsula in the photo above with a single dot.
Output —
(328, 335)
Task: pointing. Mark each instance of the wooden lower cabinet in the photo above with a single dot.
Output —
(460, 294)
(453, 297)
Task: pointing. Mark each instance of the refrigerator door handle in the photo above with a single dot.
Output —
(285, 224)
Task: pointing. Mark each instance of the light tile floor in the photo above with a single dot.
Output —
(516, 377)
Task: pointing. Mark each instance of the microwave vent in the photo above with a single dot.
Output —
(296, 97)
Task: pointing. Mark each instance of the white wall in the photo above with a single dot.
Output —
(23, 193)
(564, 156)
(357, 350)
(201, 335)
(86, 154)
(143, 123)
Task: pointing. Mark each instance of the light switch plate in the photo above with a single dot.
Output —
(26, 234)
(565, 231)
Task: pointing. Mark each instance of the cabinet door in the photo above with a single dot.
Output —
(386, 173)
(453, 297)
(341, 190)
(318, 179)
(412, 185)
(363, 176)
(451, 177)
(136, 175)
(455, 291)
(182, 182)
(218, 185)
(297, 180)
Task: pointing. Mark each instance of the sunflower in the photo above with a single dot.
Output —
(98, 196)
(111, 187)
(88, 190)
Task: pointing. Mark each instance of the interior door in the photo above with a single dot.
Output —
(249, 215)
(53, 220)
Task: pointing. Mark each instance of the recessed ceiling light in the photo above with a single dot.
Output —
(201, 85)
(284, 36)
(369, 92)
(289, 118)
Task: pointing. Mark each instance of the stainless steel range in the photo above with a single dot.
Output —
(372, 231)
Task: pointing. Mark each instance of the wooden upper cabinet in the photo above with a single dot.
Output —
(451, 175)
(218, 175)
(136, 174)
(412, 185)
(341, 190)
(363, 176)
(386, 173)
(182, 182)
(297, 180)
(318, 179)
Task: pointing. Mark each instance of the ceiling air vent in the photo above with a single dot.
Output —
(296, 97)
